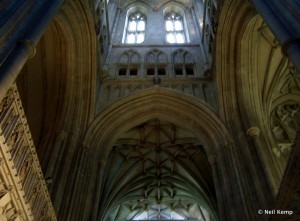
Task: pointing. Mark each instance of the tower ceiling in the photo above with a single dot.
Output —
(157, 171)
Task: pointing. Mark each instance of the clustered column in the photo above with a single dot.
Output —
(254, 133)
(282, 18)
(24, 48)
(212, 159)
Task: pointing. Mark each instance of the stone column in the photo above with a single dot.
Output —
(39, 17)
(212, 159)
(284, 23)
(97, 189)
(196, 23)
(254, 133)
(111, 37)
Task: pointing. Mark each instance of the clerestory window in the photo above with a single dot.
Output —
(174, 26)
(135, 30)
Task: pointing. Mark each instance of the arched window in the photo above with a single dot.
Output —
(183, 63)
(129, 63)
(174, 26)
(135, 29)
(156, 62)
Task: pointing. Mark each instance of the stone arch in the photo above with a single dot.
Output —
(41, 85)
(250, 62)
(263, 79)
(178, 6)
(184, 110)
(155, 62)
(132, 7)
(183, 62)
(148, 104)
(129, 63)
(154, 56)
(75, 49)
(243, 111)
(177, 56)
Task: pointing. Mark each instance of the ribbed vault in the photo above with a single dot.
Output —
(255, 82)
(158, 170)
(206, 135)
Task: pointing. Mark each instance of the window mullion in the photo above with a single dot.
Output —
(136, 22)
(174, 28)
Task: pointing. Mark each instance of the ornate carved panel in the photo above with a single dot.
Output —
(284, 126)
(23, 191)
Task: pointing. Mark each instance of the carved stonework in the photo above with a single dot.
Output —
(267, 35)
(23, 191)
(212, 159)
(6, 101)
(290, 81)
(288, 197)
(284, 126)
(112, 90)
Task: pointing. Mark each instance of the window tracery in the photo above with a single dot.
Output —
(183, 63)
(135, 30)
(174, 28)
(129, 64)
(156, 62)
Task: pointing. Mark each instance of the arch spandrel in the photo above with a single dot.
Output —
(157, 102)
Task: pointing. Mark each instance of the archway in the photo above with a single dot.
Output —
(253, 79)
(58, 85)
(162, 104)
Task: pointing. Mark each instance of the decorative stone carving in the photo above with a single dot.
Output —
(22, 173)
(212, 159)
(253, 131)
(6, 101)
(290, 81)
(268, 35)
(14, 214)
(17, 133)
(111, 90)
(284, 126)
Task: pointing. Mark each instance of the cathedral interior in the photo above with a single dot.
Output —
(123, 110)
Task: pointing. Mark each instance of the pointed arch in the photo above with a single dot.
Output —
(161, 103)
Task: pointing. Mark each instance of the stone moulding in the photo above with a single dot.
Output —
(23, 190)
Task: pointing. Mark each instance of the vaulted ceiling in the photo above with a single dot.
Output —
(158, 171)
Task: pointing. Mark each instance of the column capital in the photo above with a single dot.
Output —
(287, 44)
(253, 131)
(30, 47)
(212, 159)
